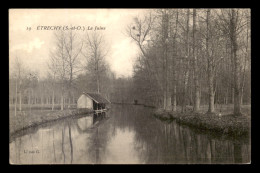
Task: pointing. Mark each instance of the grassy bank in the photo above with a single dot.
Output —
(27, 119)
(26, 107)
(226, 124)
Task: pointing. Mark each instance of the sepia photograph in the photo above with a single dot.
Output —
(129, 86)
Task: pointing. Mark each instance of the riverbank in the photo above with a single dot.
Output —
(226, 124)
(27, 119)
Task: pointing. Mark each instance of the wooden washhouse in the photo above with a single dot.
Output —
(93, 101)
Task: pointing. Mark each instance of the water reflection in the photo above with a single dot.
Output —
(84, 123)
(126, 134)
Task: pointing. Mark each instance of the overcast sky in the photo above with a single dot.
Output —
(33, 46)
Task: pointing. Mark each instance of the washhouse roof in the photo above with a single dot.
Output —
(97, 97)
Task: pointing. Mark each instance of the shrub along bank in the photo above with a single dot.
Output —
(225, 124)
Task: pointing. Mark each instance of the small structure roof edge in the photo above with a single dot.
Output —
(97, 97)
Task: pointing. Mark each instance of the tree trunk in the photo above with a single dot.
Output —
(210, 70)
(52, 107)
(15, 98)
(186, 73)
(169, 100)
(164, 99)
(30, 104)
(64, 102)
(185, 89)
(20, 98)
(174, 101)
(241, 96)
(41, 101)
(211, 95)
(69, 103)
(97, 72)
(98, 89)
(174, 104)
(29, 97)
(167, 95)
(237, 108)
(232, 95)
(61, 102)
(227, 95)
(196, 81)
(244, 71)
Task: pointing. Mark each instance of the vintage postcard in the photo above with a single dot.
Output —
(129, 86)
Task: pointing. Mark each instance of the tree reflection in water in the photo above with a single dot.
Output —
(237, 153)
(97, 146)
(131, 135)
(159, 142)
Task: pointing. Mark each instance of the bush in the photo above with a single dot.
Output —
(227, 124)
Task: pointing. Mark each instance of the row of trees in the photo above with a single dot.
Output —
(193, 57)
(187, 57)
(77, 63)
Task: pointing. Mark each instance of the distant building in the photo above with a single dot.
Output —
(92, 101)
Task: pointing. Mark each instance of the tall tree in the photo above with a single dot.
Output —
(53, 67)
(232, 25)
(73, 47)
(187, 58)
(95, 53)
(175, 55)
(59, 60)
(19, 73)
(210, 69)
(195, 66)
(165, 42)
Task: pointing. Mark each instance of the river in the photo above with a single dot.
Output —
(126, 134)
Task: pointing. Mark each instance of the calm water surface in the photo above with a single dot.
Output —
(125, 135)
